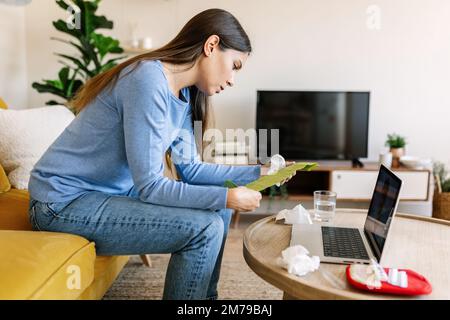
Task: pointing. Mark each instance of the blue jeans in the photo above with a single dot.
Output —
(124, 225)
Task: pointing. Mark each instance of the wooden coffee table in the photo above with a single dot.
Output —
(417, 243)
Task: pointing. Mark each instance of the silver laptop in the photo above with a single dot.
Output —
(346, 245)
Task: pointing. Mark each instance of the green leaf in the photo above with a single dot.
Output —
(62, 4)
(89, 20)
(55, 83)
(78, 63)
(105, 45)
(53, 103)
(74, 86)
(64, 75)
(117, 49)
(87, 17)
(446, 186)
(107, 67)
(49, 88)
(61, 25)
(90, 52)
(86, 56)
(101, 22)
(110, 64)
(115, 59)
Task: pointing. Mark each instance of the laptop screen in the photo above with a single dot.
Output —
(381, 210)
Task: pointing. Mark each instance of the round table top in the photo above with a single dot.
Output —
(418, 243)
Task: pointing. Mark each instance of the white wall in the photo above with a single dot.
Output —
(13, 71)
(305, 45)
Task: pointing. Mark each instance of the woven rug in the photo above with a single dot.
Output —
(237, 280)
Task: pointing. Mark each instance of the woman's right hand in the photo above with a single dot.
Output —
(243, 199)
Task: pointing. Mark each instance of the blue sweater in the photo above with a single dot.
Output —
(117, 144)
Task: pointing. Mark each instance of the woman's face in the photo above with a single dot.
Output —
(217, 68)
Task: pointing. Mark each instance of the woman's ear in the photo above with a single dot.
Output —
(211, 44)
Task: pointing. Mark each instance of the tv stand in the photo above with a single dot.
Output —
(356, 163)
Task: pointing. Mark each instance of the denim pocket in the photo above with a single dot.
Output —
(51, 208)
(55, 208)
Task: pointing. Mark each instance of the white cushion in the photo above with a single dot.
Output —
(24, 137)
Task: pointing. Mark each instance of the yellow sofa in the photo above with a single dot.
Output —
(47, 265)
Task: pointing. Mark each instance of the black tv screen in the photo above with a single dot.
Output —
(315, 125)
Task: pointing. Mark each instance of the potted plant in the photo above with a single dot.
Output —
(441, 199)
(396, 144)
(93, 49)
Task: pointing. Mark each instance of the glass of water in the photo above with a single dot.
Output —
(324, 205)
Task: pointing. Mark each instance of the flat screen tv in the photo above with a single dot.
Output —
(315, 125)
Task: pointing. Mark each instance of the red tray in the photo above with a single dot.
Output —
(417, 284)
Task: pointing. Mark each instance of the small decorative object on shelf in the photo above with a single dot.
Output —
(137, 45)
(416, 162)
(386, 159)
(397, 144)
(441, 199)
(147, 43)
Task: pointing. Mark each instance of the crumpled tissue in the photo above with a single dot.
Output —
(277, 162)
(296, 260)
(296, 215)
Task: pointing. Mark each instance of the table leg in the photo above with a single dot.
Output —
(146, 260)
(236, 217)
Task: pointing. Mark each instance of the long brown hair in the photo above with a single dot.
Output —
(184, 49)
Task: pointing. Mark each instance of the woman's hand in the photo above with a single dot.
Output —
(243, 199)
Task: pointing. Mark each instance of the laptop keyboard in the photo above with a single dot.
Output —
(343, 243)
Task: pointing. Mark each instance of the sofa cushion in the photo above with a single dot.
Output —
(24, 137)
(44, 265)
(4, 182)
(14, 210)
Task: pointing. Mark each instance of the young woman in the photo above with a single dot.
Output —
(103, 177)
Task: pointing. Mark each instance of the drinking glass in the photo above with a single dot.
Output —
(324, 205)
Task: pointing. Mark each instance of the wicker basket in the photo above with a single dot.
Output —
(441, 203)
